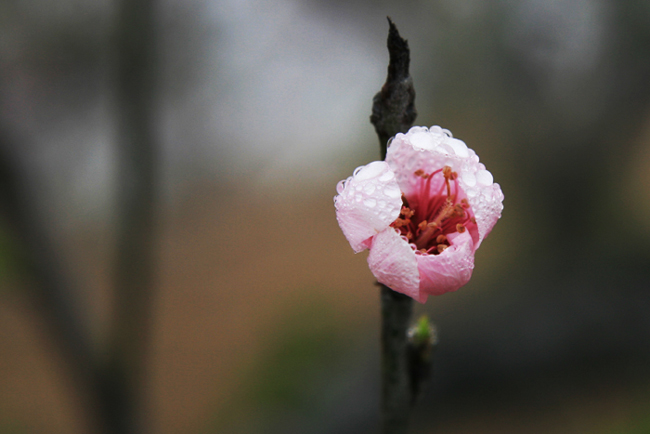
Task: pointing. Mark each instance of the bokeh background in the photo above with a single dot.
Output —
(264, 321)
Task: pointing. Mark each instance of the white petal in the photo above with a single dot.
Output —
(487, 205)
(367, 203)
(393, 263)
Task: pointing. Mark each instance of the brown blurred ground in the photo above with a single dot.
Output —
(235, 266)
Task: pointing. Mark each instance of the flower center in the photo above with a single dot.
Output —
(434, 211)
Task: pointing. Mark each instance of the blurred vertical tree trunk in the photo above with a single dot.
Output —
(125, 370)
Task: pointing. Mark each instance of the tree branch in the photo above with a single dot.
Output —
(393, 111)
(393, 108)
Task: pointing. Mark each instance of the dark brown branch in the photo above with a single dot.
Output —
(393, 108)
(397, 396)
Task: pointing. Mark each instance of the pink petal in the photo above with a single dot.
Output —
(367, 203)
(430, 149)
(487, 204)
(393, 263)
(449, 270)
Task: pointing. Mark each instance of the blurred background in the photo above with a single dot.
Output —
(261, 318)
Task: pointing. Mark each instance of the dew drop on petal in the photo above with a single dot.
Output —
(369, 188)
(370, 202)
(387, 176)
(469, 178)
(392, 192)
(423, 140)
(459, 147)
(484, 178)
(370, 171)
(471, 192)
(340, 187)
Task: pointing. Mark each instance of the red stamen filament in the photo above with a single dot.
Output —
(431, 217)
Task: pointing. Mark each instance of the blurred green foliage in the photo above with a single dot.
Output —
(295, 375)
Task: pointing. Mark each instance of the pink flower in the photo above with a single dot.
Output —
(422, 213)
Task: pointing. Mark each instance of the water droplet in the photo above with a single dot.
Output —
(371, 170)
(484, 178)
(369, 188)
(424, 140)
(459, 147)
(392, 192)
(387, 176)
(370, 202)
(469, 178)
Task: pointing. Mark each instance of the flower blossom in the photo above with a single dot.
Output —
(422, 213)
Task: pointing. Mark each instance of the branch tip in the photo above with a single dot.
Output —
(393, 109)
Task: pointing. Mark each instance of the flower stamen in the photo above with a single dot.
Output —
(427, 217)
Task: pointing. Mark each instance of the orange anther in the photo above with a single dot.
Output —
(406, 212)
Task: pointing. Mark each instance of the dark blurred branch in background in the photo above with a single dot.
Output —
(112, 389)
(393, 111)
(50, 288)
(125, 378)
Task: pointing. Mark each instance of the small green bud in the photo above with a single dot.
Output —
(422, 338)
